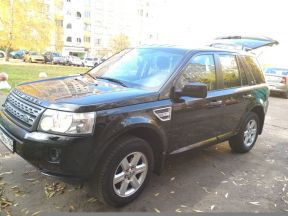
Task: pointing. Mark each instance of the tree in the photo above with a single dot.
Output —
(24, 24)
(119, 42)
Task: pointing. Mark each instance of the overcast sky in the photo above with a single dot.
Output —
(199, 21)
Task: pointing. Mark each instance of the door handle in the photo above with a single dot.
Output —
(247, 96)
(215, 103)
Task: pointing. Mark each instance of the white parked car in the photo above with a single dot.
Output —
(89, 62)
(74, 60)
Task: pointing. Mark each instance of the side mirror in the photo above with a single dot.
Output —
(195, 89)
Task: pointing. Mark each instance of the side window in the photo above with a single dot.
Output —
(243, 76)
(231, 76)
(255, 69)
(201, 68)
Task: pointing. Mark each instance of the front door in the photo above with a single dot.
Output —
(197, 119)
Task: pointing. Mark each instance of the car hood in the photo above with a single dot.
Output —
(81, 93)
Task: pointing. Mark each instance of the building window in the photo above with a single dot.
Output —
(68, 13)
(68, 0)
(78, 40)
(69, 26)
(98, 41)
(87, 27)
(69, 39)
(78, 15)
(59, 23)
(87, 14)
(87, 39)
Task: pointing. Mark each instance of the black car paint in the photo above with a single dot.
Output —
(123, 111)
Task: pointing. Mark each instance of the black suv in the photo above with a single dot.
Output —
(120, 120)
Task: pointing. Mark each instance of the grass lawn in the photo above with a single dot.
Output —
(19, 73)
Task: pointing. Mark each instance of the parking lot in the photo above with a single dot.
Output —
(202, 180)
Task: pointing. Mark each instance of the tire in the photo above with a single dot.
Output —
(241, 143)
(286, 95)
(109, 191)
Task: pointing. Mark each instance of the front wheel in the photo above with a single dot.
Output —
(246, 138)
(124, 172)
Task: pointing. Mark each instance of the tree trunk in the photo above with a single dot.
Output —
(7, 50)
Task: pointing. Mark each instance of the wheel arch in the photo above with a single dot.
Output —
(153, 135)
(259, 110)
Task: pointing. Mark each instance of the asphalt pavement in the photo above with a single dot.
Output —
(203, 180)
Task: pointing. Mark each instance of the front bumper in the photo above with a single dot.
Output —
(38, 148)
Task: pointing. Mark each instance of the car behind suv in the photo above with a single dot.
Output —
(33, 57)
(277, 79)
(120, 120)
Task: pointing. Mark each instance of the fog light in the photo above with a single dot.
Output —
(54, 155)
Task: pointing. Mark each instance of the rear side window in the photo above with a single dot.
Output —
(230, 71)
(255, 69)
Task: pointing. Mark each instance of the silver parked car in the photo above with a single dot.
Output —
(277, 79)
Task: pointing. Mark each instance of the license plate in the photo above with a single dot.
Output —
(7, 141)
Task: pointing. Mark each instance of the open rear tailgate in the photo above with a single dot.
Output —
(243, 42)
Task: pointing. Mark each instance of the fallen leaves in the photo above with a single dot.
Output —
(156, 210)
(6, 173)
(281, 178)
(36, 213)
(54, 189)
(17, 191)
(196, 210)
(212, 207)
(226, 195)
(4, 202)
(255, 203)
(92, 200)
(178, 210)
(205, 189)
(172, 179)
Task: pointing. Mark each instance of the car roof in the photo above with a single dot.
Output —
(195, 49)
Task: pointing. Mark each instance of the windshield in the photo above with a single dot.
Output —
(147, 68)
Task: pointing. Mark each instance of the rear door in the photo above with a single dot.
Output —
(234, 91)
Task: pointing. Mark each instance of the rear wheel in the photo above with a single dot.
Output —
(124, 172)
(245, 140)
(286, 94)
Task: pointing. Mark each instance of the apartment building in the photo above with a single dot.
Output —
(86, 28)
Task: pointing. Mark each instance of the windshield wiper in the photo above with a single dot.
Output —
(88, 74)
(112, 80)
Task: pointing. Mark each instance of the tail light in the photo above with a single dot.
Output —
(284, 80)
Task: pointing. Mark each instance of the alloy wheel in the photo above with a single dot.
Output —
(130, 174)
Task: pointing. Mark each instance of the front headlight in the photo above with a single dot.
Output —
(67, 122)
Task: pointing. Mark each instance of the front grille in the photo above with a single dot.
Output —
(21, 110)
